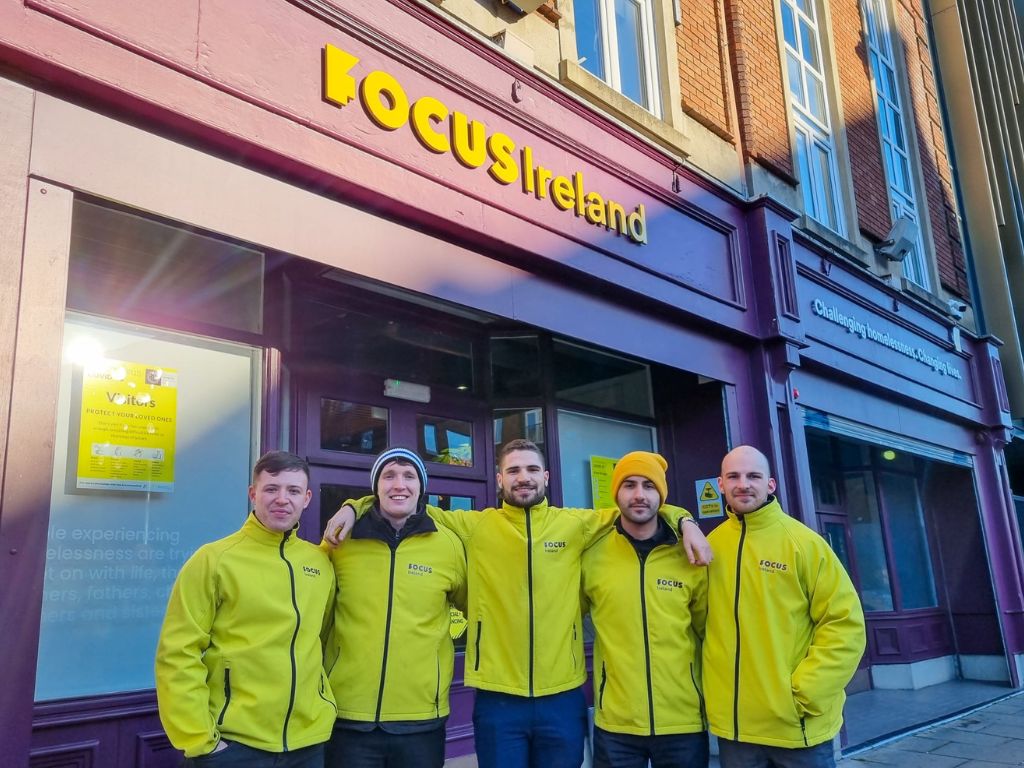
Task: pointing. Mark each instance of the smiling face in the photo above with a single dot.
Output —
(638, 500)
(278, 500)
(522, 479)
(745, 482)
(398, 491)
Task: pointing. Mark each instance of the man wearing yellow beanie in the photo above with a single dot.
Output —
(648, 605)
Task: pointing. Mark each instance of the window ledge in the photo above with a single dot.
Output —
(580, 81)
(838, 243)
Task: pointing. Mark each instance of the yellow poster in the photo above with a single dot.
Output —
(601, 468)
(129, 417)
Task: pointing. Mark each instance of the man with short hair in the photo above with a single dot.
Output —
(391, 656)
(524, 654)
(239, 664)
(648, 604)
(785, 630)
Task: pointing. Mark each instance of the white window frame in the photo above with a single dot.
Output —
(606, 25)
(894, 138)
(805, 74)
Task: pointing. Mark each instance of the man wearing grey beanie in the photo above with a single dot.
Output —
(397, 577)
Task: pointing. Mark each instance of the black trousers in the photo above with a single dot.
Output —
(624, 750)
(377, 749)
(249, 757)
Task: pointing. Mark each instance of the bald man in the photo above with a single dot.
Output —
(785, 632)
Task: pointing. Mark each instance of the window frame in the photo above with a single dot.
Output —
(607, 29)
(820, 188)
(902, 202)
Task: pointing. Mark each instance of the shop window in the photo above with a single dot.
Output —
(588, 444)
(615, 43)
(152, 457)
(515, 366)
(445, 441)
(130, 266)
(399, 347)
(353, 427)
(451, 502)
(600, 380)
(815, 143)
(518, 424)
(909, 542)
(868, 541)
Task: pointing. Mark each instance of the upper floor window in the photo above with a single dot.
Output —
(893, 132)
(615, 42)
(815, 146)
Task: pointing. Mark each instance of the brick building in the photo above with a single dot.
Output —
(610, 225)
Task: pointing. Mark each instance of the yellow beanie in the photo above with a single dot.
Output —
(645, 464)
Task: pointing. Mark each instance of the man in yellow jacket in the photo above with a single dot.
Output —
(239, 665)
(649, 605)
(785, 630)
(391, 656)
(524, 653)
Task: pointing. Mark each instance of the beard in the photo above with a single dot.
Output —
(515, 497)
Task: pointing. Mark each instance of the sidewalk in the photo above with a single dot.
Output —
(989, 737)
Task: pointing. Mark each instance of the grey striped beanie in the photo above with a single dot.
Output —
(404, 454)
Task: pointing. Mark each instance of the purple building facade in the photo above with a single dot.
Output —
(231, 227)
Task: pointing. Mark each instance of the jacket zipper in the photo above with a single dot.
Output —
(227, 696)
(736, 617)
(437, 685)
(700, 698)
(573, 646)
(529, 586)
(387, 631)
(479, 630)
(604, 681)
(803, 730)
(291, 648)
(647, 642)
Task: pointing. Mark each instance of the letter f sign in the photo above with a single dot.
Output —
(339, 85)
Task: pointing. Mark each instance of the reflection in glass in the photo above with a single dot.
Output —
(866, 528)
(910, 545)
(601, 380)
(352, 427)
(630, 49)
(445, 441)
(587, 15)
(835, 535)
(451, 502)
(519, 423)
(515, 366)
(581, 436)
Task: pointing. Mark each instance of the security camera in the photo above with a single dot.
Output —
(899, 241)
(956, 308)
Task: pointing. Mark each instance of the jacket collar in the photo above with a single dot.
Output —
(373, 526)
(664, 534)
(761, 517)
(541, 506)
(255, 530)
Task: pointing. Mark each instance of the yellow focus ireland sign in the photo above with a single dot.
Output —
(128, 420)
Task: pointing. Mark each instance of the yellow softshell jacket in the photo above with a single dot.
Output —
(649, 615)
(240, 654)
(525, 633)
(785, 632)
(391, 655)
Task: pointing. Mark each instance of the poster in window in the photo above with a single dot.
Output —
(601, 468)
(128, 422)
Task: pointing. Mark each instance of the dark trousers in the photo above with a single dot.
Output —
(530, 732)
(237, 754)
(738, 754)
(349, 748)
(624, 750)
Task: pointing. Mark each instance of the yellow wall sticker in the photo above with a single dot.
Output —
(442, 130)
(128, 421)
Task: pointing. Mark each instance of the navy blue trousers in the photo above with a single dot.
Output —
(738, 754)
(624, 750)
(249, 757)
(524, 732)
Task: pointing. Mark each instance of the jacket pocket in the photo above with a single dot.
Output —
(323, 691)
(476, 648)
(227, 696)
(604, 682)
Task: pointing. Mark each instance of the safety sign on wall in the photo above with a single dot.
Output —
(709, 499)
